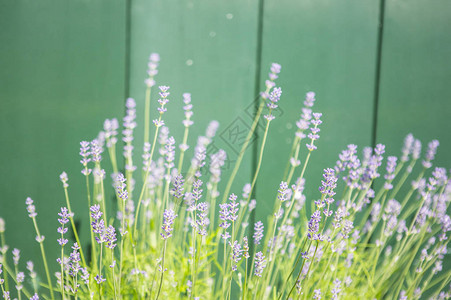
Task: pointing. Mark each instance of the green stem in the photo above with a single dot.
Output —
(74, 229)
(162, 270)
(44, 258)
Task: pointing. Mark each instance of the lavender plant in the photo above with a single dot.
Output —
(362, 236)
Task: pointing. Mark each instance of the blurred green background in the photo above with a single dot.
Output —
(380, 69)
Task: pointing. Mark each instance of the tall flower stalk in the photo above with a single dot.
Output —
(378, 225)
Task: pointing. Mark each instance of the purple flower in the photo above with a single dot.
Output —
(96, 151)
(30, 268)
(31, 208)
(64, 179)
(416, 150)
(84, 275)
(374, 163)
(260, 264)
(274, 98)
(245, 248)
(85, 153)
(328, 185)
(99, 279)
(391, 167)
(64, 215)
(309, 99)
(337, 289)
(34, 297)
(197, 191)
(170, 153)
(16, 256)
(96, 214)
(233, 208)
(20, 277)
(430, 154)
(168, 220)
(283, 192)
(275, 68)
(74, 260)
(200, 152)
(177, 190)
(188, 110)
(110, 237)
(314, 131)
(211, 129)
(317, 294)
(202, 220)
(162, 101)
(273, 75)
(99, 228)
(121, 187)
(64, 218)
(313, 225)
(258, 232)
(236, 254)
(224, 214)
(129, 125)
(348, 225)
(110, 127)
(303, 123)
(152, 69)
(158, 123)
(146, 157)
(217, 160)
(408, 147)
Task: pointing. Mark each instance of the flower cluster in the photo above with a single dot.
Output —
(369, 231)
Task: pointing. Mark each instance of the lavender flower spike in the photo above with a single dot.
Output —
(258, 232)
(31, 208)
(313, 136)
(274, 98)
(152, 70)
(163, 101)
(168, 220)
(260, 264)
(16, 256)
(188, 109)
(313, 226)
(177, 190)
(430, 154)
(85, 153)
(64, 179)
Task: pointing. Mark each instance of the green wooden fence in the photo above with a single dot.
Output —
(380, 71)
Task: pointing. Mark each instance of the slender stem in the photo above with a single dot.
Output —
(74, 229)
(243, 149)
(62, 264)
(88, 194)
(254, 180)
(147, 115)
(182, 151)
(3, 243)
(145, 178)
(44, 259)
(245, 281)
(162, 270)
(300, 272)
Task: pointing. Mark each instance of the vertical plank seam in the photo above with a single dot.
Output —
(258, 62)
(127, 48)
(380, 38)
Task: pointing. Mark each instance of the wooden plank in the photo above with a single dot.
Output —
(415, 74)
(61, 75)
(207, 49)
(328, 47)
